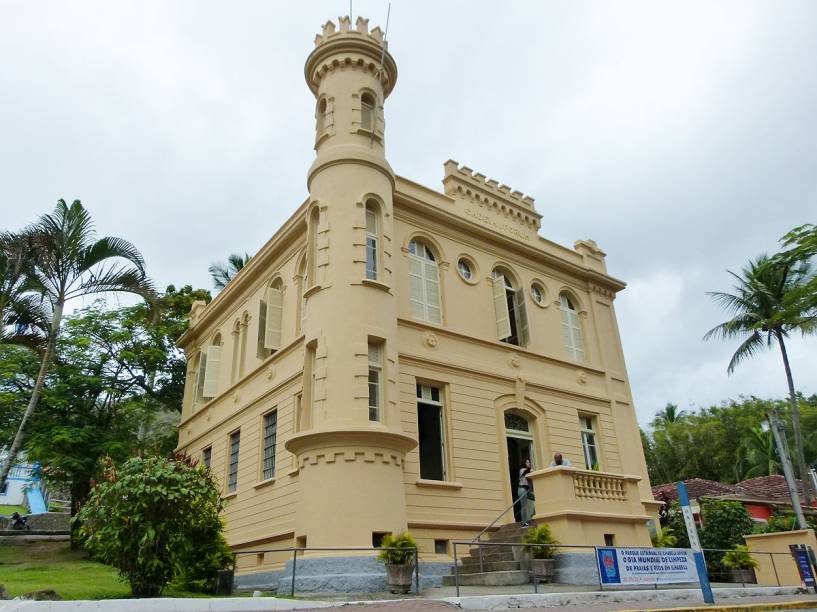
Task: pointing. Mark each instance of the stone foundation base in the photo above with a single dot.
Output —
(336, 575)
(577, 568)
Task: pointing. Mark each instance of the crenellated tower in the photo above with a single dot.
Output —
(350, 448)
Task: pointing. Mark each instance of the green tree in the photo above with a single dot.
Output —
(223, 273)
(724, 523)
(670, 414)
(757, 455)
(23, 320)
(153, 517)
(70, 263)
(763, 312)
(802, 243)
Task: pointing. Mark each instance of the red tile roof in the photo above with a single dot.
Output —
(696, 487)
(762, 489)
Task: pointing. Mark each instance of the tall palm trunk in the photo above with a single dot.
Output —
(808, 486)
(45, 364)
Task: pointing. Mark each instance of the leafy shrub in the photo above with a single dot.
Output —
(724, 525)
(740, 558)
(154, 519)
(665, 539)
(402, 541)
(541, 535)
(675, 522)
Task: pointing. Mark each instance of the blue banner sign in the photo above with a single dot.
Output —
(646, 565)
(803, 565)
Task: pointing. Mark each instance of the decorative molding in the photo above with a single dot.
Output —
(581, 377)
(271, 372)
(514, 360)
(430, 340)
(348, 456)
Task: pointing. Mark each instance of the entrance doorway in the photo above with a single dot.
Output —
(520, 447)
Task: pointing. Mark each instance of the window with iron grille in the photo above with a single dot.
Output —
(232, 476)
(270, 434)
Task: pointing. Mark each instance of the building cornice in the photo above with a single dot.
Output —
(412, 208)
(256, 268)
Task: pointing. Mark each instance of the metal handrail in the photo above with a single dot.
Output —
(504, 512)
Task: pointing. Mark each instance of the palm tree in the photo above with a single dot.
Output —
(763, 312)
(70, 263)
(223, 273)
(669, 415)
(23, 320)
(757, 455)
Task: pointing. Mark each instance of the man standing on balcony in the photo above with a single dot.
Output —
(524, 493)
(559, 460)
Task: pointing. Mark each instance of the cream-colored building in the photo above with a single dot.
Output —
(392, 354)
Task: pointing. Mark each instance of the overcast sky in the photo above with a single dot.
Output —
(682, 137)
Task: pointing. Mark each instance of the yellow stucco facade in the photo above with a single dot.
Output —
(393, 352)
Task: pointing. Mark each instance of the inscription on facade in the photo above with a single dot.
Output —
(505, 228)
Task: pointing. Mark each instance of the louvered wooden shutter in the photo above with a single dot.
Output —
(418, 310)
(432, 284)
(275, 311)
(211, 371)
(521, 317)
(503, 317)
(200, 375)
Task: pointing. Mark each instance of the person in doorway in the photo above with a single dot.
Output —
(559, 460)
(524, 493)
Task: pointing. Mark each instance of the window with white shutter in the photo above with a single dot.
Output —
(571, 329)
(367, 111)
(424, 283)
(521, 312)
(200, 371)
(375, 381)
(510, 309)
(274, 316)
(503, 315)
(260, 351)
(372, 241)
(211, 371)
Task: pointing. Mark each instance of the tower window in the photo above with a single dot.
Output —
(424, 282)
(510, 310)
(372, 240)
(321, 117)
(367, 111)
(375, 381)
(431, 432)
(571, 328)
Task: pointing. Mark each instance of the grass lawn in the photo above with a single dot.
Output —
(53, 565)
(9, 510)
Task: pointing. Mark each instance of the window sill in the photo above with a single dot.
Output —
(230, 495)
(312, 290)
(369, 134)
(438, 484)
(294, 472)
(376, 284)
(264, 483)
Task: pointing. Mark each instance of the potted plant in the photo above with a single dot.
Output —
(741, 565)
(543, 552)
(398, 556)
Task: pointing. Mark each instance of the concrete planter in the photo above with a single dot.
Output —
(743, 576)
(399, 577)
(543, 569)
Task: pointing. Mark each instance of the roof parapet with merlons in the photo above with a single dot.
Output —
(464, 182)
(363, 48)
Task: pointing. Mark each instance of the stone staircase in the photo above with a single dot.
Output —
(501, 565)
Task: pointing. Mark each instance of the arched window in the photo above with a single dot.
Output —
(312, 249)
(571, 328)
(270, 314)
(209, 368)
(372, 240)
(509, 308)
(234, 366)
(367, 111)
(302, 285)
(424, 282)
(321, 117)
